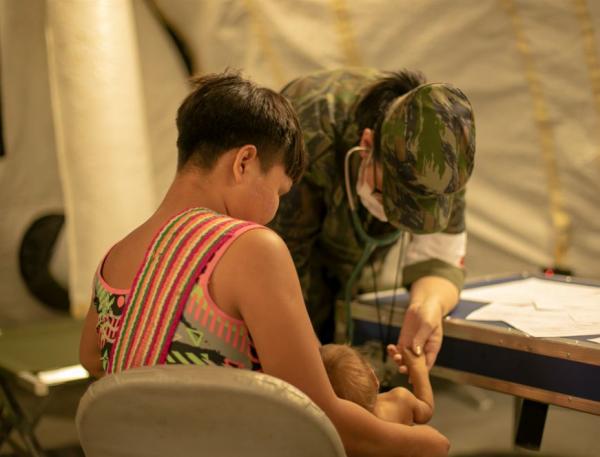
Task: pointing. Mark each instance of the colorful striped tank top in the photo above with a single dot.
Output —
(168, 315)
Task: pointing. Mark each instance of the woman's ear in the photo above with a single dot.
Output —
(245, 158)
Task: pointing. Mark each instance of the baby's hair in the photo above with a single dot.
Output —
(350, 375)
(226, 111)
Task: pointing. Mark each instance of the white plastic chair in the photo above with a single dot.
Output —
(183, 410)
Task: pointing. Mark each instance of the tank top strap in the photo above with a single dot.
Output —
(175, 259)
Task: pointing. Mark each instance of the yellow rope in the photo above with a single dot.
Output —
(264, 41)
(561, 222)
(590, 50)
(345, 33)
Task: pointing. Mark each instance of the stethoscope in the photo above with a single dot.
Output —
(371, 243)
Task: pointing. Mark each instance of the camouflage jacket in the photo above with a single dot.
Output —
(314, 217)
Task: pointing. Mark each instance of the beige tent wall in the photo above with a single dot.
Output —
(29, 181)
(527, 66)
(165, 85)
(102, 141)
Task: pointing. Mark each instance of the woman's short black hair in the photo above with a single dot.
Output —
(226, 111)
(373, 105)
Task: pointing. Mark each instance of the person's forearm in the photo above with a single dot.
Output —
(364, 435)
(434, 291)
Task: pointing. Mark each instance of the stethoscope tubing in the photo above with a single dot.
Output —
(371, 243)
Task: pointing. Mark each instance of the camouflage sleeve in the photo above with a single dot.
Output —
(434, 267)
(299, 222)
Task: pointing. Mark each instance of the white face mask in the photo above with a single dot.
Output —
(369, 201)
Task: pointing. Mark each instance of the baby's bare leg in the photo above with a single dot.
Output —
(419, 377)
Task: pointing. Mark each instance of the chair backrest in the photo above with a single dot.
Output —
(183, 410)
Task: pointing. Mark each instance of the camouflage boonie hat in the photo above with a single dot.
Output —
(427, 141)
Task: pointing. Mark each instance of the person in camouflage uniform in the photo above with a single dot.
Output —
(417, 144)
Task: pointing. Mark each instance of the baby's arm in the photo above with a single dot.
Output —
(419, 378)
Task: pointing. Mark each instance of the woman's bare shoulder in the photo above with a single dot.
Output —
(125, 257)
(257, 258)
(260, 240)
(259, 251)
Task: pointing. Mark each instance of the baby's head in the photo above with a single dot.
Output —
(351, 376)
(240, 143)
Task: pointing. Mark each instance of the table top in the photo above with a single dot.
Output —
(488, 332)
(564, 370)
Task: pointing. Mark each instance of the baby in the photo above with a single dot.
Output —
(353, 379)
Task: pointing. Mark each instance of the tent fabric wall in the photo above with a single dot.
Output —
(100, 125)
(165, 85)
(29, 181)
(534, 110)
(477, 46)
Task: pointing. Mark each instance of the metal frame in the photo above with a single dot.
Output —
(26, 354)
(13, 417)
(585, 353)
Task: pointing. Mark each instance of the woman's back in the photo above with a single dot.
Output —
(125, 257)
(202, 332)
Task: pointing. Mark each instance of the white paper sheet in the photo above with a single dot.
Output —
(585, 316)
(552, 326)
(540, 308)
(566, 299)
(595, 340)
(544, 294)
(501, 311)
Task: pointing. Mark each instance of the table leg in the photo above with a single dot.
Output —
(530, 419)
(20, 420)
